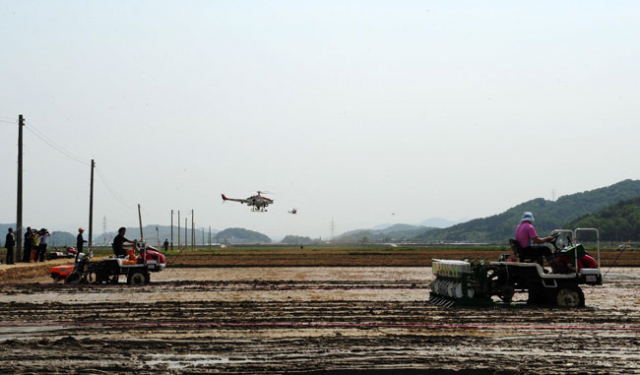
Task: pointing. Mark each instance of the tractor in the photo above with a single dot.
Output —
(137, 266)
(496, 283)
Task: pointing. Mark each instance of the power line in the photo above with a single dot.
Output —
(73, 157)
(54, 145)
(115, 195)
(77, 159)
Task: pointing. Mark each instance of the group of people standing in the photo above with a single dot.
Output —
(35, 245)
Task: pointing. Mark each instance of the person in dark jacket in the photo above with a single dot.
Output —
(80, 241)
(9, 244)
(118, 243)
(28, 245)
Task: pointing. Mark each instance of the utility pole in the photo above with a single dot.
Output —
(171, 229)
(193, 232)
(19, 213)
(140, 220)
(93, 166)
(179, 228)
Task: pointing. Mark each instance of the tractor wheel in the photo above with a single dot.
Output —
(136, 278)
(570, 296)
(89, 278)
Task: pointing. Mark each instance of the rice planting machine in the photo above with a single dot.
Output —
(480, 283)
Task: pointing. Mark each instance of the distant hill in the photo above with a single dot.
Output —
(241, 235)
(549, 215)
(62, 239)
(618, 222)
(394, 233)
(434, 222)
(296, 240)
(438, 222)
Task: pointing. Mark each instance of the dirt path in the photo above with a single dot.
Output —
(21, 272)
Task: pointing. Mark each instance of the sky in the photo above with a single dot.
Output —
(356, 113)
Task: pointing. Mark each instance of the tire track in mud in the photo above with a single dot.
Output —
(303, 336)
(350, 354)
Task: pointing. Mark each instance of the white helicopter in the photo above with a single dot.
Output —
(258, 202)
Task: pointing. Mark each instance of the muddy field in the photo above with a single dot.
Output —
(385, 256)
(350, 320)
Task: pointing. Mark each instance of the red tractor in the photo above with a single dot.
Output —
(137, 266)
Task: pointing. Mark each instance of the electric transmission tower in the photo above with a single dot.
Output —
(333, 228)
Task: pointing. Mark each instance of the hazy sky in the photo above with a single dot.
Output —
(363, 112)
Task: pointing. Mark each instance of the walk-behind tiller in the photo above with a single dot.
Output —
(469, 283)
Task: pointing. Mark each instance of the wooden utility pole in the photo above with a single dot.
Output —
(18, 256)
(193, 232)
(140, 220)
(171, 229)
(93, 166)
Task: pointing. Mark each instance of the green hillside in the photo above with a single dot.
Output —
(549, 215)
(394, 233)
(241, 235)
(296, 240)
(618, 222)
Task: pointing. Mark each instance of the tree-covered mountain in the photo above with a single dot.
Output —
(394, 233)
(549, 215)
(62, 239)
(296, 240)
(618, 222)
(241, 235)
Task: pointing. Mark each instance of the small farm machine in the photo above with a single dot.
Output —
(65, 252)
(138, 264)
(459, 282)
(137, 267)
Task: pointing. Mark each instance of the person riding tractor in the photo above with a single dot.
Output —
(118, 244)
(532, 246)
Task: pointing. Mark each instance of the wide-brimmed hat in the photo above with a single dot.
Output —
(527, 216)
